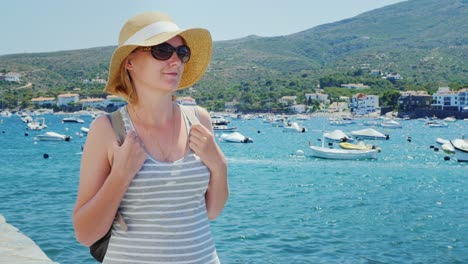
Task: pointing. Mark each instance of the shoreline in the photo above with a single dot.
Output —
(16, 247)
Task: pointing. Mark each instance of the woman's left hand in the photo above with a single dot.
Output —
(203, 143)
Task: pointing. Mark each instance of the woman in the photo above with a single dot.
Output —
(169, 176)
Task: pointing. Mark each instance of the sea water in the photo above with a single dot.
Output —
(408, 206)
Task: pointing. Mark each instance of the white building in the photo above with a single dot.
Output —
(289, 100)
(298, 108)
(322, 98)
(66, 99)
(92, 102)
(113, 100)
(463, 99)
(355, 85)
(12, 77)
(446, 99)
(41, 101)
(363, 104)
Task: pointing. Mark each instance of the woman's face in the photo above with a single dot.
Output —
(150, 73)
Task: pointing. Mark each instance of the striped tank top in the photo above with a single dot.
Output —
(164, 208)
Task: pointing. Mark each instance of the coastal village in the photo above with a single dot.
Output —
(413, 104)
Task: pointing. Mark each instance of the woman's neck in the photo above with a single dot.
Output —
(153, 112)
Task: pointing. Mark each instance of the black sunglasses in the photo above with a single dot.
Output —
(165, 50)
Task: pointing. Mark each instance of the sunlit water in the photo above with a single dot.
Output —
(408, 206)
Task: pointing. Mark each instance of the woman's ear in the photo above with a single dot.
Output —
(128, 63)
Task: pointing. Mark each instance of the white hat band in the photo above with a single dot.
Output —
(150, 31)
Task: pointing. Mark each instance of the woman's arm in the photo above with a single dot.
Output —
(203, 143)
(102, 186)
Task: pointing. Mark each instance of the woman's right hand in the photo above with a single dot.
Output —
(128, 158)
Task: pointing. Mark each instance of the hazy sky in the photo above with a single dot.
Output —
(52, 25)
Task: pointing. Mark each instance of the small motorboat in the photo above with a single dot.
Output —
(53, 136)
(461, 149)
(359, 146)
(337, 136)
(235, 137)
(391, 124)
(343, 154)
(72, 119)
(224, 128)
(294, 127)
(369, 133)
(84, 129)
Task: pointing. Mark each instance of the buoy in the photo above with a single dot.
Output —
(431, 146)
(3, 131)
(258, 131)
(436, 149)
(446, 158)
(26, 134)
(387, 136)
(46, 156)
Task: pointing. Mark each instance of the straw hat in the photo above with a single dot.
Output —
(152, 28)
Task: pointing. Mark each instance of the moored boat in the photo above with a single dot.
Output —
(72, 119)
(224, 128)
(337, 136)
(343, 154)
(368, 133)
(235, 137)
(461, 149)
(53, 136)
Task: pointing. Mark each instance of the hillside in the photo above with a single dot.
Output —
(424, 40)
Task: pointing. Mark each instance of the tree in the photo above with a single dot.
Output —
(390, 99)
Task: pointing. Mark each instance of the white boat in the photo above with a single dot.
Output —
(448, 148)
(72, 119)
(84, 129)
(343, 154)
(436, 123)
(337, 136)
(53, 136)
(37, 124)
(368, 133)
(235, 137)
(461, 149)
(450, 119)
(360, 146)
(294, 127)
(224, 128)
(442, 141)
(391, 124)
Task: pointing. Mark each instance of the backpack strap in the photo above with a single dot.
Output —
(118, 126)
(191, 112)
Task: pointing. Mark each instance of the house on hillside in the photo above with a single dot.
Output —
(298, 108)
(411, 100)
(11, 77)
(355, 86)
(114, 101)
(393, 76)
(446, 99)
(66, 99)
(43, 101)
(362, 104)
(92, 102)
(320, 97)
(288, 100)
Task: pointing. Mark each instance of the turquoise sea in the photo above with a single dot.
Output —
(408, 206)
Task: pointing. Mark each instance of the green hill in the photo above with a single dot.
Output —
(425, 41)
